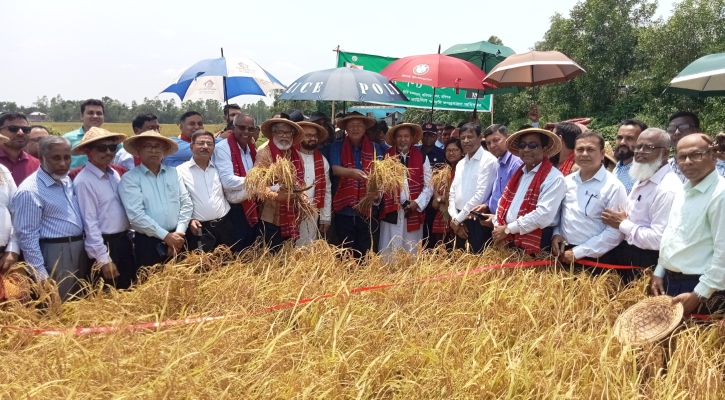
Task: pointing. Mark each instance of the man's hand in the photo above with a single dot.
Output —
(689, 301)
(657, 286)
(557, 244)
(175, 240)
(481, 209)
(284, 196)
(567, 257)
(375, 195)
(499, 234)
(324, 227)
(109, 271)
(413, 206)
(613, 218)
(7, 260)
(195, 226)
(358, 175)
(534, 113)
(459, 229)
(487, 220)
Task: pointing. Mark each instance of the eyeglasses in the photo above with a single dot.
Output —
(453, 150)
(204, 144)
(694, 156)
(646, 148)
(681, 128)
(530, 145)
(102, 148)
(283, 133)
(153, 147)
(16, 128)
(246, 128)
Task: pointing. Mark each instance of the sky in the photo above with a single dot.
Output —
(133, 49)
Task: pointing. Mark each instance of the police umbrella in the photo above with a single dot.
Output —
(343, 84)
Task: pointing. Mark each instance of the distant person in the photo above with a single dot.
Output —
(440, 129)
(447, 133)
(190, 122)
(296, 116)
(37, 132)
(281, 115)
(140, 124)
(680, 125)
(564, 161)
(376, 134)
(92, 114)
(627, 135)
(14, 126)
(230, 111)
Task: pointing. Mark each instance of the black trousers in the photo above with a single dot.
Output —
(272, 235)
(429, 240)
(478, 236)
(222, 230)
(676, 283)
(244, 234)
(146, 251)
(120, 249)
(356, 232)
(626, 254)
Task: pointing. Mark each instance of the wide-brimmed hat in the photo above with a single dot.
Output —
(317, 115)
(609, 152)
(323, 132)
(267, 129)
(369, 122)
(512, 142)
(129, 146)
(93, 135)
(648, 321)
(14, 286)
(415, 128)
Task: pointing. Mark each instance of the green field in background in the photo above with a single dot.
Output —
(125, 128)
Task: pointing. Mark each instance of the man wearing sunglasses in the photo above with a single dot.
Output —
(15, 127)
(104, 219)
(92, 114)
(680, 125)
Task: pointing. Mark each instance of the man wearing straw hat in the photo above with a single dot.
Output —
(589, 191)
(48, 220)
(277, 212)
(401, 219)
(351, 160)
(691, 266)
(527, 209)
(157, 203)
(108, 240)
(317, 178)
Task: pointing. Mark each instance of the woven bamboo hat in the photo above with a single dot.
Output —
(93, 135)
(129, 146)
(267, 129)
(648, 321)
(415, 129)
(14, 286)
(609, 152)
(369, 122)
(321, 129)
(512, 142)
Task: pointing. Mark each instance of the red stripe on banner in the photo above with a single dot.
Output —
(187, 321)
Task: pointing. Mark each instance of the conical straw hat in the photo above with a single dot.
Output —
(95, 134)
(131, 149)
(648, 321)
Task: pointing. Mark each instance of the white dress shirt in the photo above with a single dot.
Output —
(648, 209)
(551, 194)
(124, 159)
(101, 208)
(205, 189)
(223, 160)
(308, 162)
(7, 191)
(464, 195)
(581, 213)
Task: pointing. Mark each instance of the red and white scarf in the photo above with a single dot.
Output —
(320, 178)
(415, 187)
(566, 165)
(249, 206)
(350, 191)
(287, 216)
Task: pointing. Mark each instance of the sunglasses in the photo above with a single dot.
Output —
(530, 145)
(15, 129)
(102, 148)
(246, 128)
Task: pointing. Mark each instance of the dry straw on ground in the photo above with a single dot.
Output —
(386, 176)
(518, 333)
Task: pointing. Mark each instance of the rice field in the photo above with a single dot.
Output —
(514, 334)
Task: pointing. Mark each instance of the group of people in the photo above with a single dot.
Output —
(98, 198)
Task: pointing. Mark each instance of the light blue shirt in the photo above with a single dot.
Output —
(74, 137)
(507, 167)
(44, 209)
(719, 167)
(622, 173)
(181, 156)
(155, 204)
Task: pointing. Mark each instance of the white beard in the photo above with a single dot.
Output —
(282, 147)
(644, 171)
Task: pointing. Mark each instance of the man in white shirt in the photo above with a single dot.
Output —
(581, 232)
(105, 223)
(210, 224)
(528, 209)
(691, 266)
(473, 182)
(648, 205)
(317, 178)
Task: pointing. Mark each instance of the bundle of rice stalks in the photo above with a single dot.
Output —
(441, 180)
(304, 209)
(281, 172)
(386, 176)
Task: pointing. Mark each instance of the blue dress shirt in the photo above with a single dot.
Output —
(507, 166)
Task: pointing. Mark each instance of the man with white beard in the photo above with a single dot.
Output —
(317, 178)
(648, 204)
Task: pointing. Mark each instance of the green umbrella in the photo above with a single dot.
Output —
(704, 77)
(486, 55)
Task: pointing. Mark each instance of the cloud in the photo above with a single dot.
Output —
(166, 32)
(130, 67)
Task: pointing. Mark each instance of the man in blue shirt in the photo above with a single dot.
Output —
(92, 114)
(190, 122)
(508, 164)
(627, 136)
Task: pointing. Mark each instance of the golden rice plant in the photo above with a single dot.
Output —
(386, 176)
(441, 180)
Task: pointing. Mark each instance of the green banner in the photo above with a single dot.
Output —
(420, 96)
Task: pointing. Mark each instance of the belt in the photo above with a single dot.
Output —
(111, 236)
(215, 222)
(67, 239)
(679, 276)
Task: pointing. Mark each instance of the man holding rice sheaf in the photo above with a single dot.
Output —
(317, 179)
(401, 219)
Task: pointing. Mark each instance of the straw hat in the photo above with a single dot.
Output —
(128, 144)
(95, 134)
(14, 286)
(4, 139)
(512, 142)
(267, 129)
(414, 128)
(609, 152)
(369, 122)
(648, 321)
(321, 129)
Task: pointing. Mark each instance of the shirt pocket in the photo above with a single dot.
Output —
(172, 194)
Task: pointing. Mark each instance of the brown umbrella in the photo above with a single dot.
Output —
(534, 68)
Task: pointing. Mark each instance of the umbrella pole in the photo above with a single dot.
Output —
(433, 102)
(224, 84)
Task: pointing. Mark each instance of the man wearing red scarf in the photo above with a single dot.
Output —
(401, 218)
(564, 161)
(526, 213)
(234, 157)
(317, 178)
(351, 159)
(277, 212)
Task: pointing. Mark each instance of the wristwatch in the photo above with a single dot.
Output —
(507, 230)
